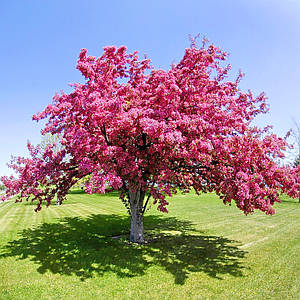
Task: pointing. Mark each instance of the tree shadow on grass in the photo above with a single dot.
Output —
(290, 200)
(86, 247)
(106, 194)
(114, 194)
(77, 191)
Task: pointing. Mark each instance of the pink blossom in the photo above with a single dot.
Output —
(135, 128)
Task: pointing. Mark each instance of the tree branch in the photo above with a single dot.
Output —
(145, 205)
(103, 131)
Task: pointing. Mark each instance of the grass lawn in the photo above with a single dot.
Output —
(201, 249)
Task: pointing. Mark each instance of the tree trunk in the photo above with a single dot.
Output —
(136, 200)
(59, 199)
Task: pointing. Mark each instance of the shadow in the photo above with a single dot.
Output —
(77, 191)
(88, 247)
(114, 194)
(290, 200)
(106, 194)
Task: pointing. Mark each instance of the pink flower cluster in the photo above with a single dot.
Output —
(132, 127)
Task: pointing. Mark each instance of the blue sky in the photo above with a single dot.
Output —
(41, 40)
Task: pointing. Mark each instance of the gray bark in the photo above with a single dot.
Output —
(136, 201)
(59, 199)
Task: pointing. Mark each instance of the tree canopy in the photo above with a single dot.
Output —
(149, 131)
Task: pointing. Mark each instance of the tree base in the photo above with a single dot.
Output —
(136, 217)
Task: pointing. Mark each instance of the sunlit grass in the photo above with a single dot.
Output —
(200, 250)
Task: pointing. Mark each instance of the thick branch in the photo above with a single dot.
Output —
(145, 205)
(103, 131)
(145, 144)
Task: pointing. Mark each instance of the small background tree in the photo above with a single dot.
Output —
(296, 135)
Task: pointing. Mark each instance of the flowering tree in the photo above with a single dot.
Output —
(151, 132)
(296, 135)
(56, 146)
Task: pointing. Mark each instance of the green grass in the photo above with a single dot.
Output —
(200, 250)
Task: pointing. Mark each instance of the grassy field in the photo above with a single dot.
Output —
(200, 250)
